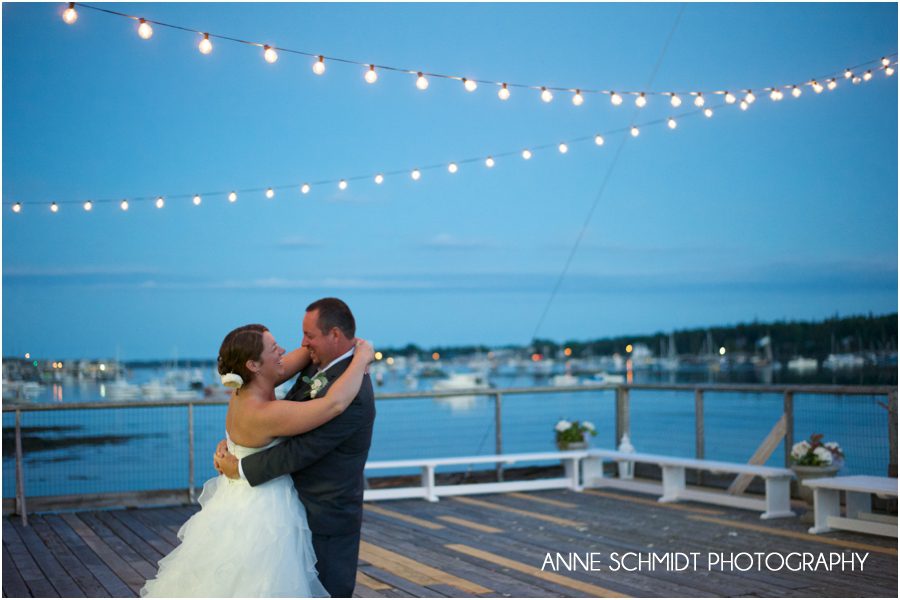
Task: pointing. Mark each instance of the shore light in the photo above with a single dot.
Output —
(371, 76)
(546, 95)
(435, 356)
(70, 15)
(629, 348)
(144, 30)
(232, 197)
(470, 85)
(88, 206)
(378, 356)
(503, 92)
(389, 360)
(567, 352)
(421, 82)
(205, 46)
(27, 355)
(269, 54)
(577, 99)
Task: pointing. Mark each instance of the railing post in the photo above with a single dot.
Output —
(788, 426)
(191, 493)
(623, 414)
(700, 442)
(498, 431)
(892, 433)
(20, 473)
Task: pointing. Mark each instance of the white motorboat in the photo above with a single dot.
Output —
(605, 378)
(119, 389)
(461, 381)
(564, 380)
(843, 361)
(801, 363)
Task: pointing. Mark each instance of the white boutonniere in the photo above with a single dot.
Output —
(315, 384)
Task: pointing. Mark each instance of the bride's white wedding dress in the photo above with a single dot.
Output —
(245, 542)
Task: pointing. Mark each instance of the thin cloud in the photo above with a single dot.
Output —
(446, 241)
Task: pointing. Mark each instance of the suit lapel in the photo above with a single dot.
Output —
(300, 390)
(332, 374)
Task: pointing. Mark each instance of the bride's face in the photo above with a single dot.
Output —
(270, 365)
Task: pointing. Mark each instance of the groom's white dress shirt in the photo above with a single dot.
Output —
(346, 354)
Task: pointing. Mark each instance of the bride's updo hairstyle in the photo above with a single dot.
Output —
(243, 344)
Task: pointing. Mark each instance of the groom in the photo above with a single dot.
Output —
(326, 463)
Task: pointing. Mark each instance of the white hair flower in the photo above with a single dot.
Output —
(232, 380)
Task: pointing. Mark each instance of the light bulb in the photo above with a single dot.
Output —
(88, 206)
(641, 101)
(598, 139)
(750, 98)
(54, 207)
(671, 123)
(708, 112)
(885, 61)
(270, 193)
(421, 82)
(503, 92)
(304, 189)
(160, 202)
(675, 100)
(635, 131)
(232, 197)
(730, 98)
(197, 200)
(452, 168)
(546, 95)
(744, 105)
(832, 83)
(699, 100)
(342, 184)
(270, 55)
(470, 85)
(371, 75)
(69, 15)
(817, 87)
(379, 179)
(796, 91)
(17, 207)
(563, 148)
(774, 95)
(416, 174)
(889, 71)
(526, 154)
(867, 75)
(489, 162)
(144, 30)
(123, 205)
(319, 66)
(615, 99)
(205, 45)
(848, 74)
(856, 79)
(577, 99)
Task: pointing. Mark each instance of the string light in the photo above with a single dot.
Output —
(730, 98)
(699, 100)
(144, 30)
(675, 100)
(197, 200)
(832, 83)
(750, 97)
(379, 179)
(70, 15)
(671, 123)
(577, 99)
(54, 207)
(867, 75)
(342, 184)
(635, 131)
(304, 189)
(205, 45)
(563, 148)
(88, 206)
(269, 54)
(160, 202)
(616, 99)
(17, 207)
(232, 197)
(470, 85)
(889, 71)
(795, 92)
(708, 112)
(885, 61)
(123, 205)
(371, 76)
(489, 162)
(744, 105)
(319, 66)
(641, 100)
(817, 87)
(856, 79)
(503, 92)
(546, 96)
(526, 154)
(416, 174)
(421, 82)
(776, 95)
(452, 168)
(598, 140)
(270, 193)
(848, 74)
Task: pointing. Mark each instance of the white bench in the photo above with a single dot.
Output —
(430, 491)
(777, 502)
(858, 488)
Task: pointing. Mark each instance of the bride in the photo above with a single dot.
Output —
(255, 541)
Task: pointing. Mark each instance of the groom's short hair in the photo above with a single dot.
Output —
(334, 312)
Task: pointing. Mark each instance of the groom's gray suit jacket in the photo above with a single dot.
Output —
(326, 463)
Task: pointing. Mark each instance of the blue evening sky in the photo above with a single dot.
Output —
(785, 211)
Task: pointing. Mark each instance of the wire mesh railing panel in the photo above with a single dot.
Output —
(736, 423)
(209, 429)
(662, 422)
(858, 423)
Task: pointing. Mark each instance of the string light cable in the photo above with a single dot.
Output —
(545, 92)
(415, 173)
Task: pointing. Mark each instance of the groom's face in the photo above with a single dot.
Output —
(321, 344)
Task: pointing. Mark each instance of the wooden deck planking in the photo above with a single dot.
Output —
(455, 548)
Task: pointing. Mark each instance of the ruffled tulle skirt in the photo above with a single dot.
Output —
(244, 542)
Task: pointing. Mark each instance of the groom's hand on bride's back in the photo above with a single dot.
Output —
(225, 462)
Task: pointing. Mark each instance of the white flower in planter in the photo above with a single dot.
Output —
(563, 425)
(823, 454)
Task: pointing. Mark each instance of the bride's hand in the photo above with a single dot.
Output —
(364, 350)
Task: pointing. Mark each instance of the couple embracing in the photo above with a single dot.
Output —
(252, 537)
